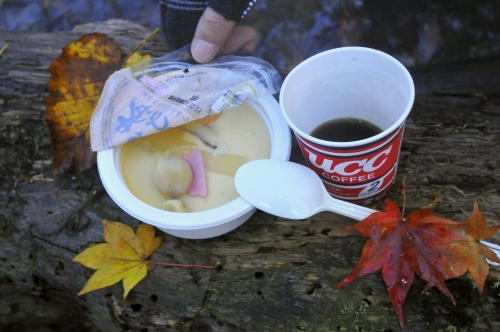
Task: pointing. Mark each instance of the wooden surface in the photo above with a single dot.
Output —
(276, 274)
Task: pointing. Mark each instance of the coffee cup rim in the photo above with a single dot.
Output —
(381, 135)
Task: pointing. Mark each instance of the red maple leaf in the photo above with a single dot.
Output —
(434, 248)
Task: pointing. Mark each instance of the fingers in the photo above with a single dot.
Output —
(241, 39)
(215, 36)
(211, 33)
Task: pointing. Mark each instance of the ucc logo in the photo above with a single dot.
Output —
(351, 167)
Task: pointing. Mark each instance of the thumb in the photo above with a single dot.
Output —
(210, 35)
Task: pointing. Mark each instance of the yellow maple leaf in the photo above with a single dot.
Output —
(123, 257)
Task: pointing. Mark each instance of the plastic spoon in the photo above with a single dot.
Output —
(293, 191)
(290, 190)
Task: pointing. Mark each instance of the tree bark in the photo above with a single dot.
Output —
(276, 274)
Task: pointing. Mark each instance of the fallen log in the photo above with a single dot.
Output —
(276, 274)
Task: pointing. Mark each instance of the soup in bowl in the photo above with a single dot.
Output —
(133, 177)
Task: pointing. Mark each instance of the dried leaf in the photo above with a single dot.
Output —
(78, 77)
(123, 257)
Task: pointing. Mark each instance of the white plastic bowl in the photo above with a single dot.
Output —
(194, 225)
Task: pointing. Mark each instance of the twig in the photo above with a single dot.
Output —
(186, 265)
(431, 204)
(41, 179)
(142, 43)
(456, 189)
(3, 48)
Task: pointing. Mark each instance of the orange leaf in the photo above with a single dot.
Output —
(78, 77)
(471, 254)
(123, 257)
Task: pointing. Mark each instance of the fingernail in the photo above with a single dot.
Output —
(203, 51)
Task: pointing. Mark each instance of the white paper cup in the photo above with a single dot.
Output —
(350, 82)
(194, 225)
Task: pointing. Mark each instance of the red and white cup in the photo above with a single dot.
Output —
(350, 82)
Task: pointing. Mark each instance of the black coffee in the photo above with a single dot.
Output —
(345, 130)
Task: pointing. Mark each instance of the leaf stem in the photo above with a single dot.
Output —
(186, 265)
(404, 198)
(142, 43)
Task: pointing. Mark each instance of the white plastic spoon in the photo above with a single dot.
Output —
(293, 191)
(290, 190)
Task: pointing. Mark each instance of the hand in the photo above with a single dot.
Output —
(215, 35)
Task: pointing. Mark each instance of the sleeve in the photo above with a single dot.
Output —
(233, 10)
(179, 18)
